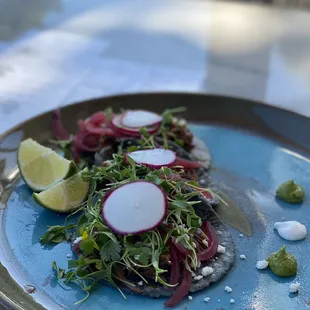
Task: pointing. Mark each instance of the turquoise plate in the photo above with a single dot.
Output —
(254, 148)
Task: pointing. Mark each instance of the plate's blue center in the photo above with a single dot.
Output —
(248, 165)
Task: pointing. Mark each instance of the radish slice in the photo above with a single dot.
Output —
(135, 207)
(117, 124)
(140, 118)
(155, 158)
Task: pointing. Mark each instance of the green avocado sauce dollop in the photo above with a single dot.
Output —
(290, 192)
(282, 264)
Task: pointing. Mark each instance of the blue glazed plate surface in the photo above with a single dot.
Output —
(246, 164)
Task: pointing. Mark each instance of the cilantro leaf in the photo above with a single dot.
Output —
(145, 255)
(154, 178)
(110, 251)
(56, 234)
(142, 254)
(166, 171)
(87, 246)
(144, 258)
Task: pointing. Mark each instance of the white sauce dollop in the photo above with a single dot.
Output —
(291, 230)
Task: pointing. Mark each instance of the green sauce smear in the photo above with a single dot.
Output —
(290, 192)
(282, 264)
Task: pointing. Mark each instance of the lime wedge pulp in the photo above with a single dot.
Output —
(41, 167)
(65, 196)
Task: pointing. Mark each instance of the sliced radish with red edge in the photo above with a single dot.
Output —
(154, 158)
(116, 123)
(140, 118)
(135, 207)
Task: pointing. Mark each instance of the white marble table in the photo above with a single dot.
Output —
(53, 53)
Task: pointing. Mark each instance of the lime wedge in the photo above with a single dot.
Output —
(65, 196)
(41, 167)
